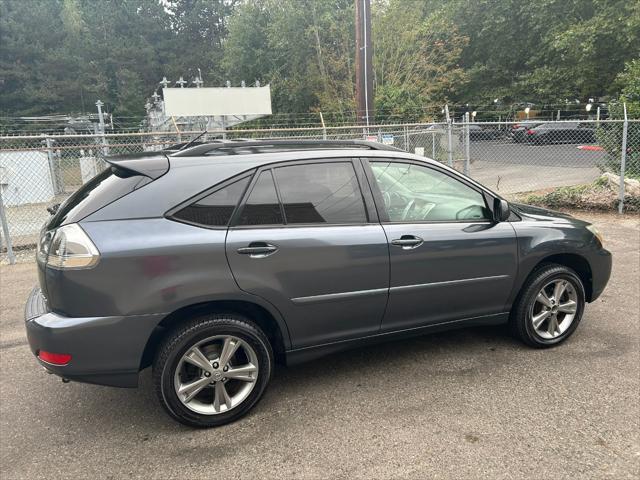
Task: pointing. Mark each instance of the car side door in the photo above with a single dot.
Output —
(449, 260)
(307, 239)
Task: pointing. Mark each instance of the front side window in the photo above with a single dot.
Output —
(321, 193)
(215, 209)
(416, 193)
(262, 206)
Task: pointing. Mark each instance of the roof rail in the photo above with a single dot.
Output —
(244, 147)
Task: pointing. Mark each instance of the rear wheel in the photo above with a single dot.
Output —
(550, 306)
(212, 370)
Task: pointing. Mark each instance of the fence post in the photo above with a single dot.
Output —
(175, 125)
(433, 145)
(5, 232)
(406, 138)
(105, 148)
(623, 158)
(324, 127)
(57, 188)
(449, 139)
(467, 135)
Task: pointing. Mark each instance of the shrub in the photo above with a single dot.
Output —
(609, 135)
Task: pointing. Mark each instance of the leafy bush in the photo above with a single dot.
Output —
(609, 135)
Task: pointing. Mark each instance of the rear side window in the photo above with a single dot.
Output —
(103, 189)
(321, 193)
(262, 206)
(215, 209)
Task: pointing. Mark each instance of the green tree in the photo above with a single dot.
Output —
(544, 51)
(302, 48)
(415, 61)
(113, 50)
(59, 56)
(610, 135)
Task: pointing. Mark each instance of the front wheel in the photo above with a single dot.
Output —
(212, 370)
(550, 306)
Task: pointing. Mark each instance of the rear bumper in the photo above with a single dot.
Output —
(104, 350)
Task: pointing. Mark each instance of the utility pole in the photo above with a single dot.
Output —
(364, 60)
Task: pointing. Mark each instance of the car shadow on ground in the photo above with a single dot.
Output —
(429, 349)
(452, 353)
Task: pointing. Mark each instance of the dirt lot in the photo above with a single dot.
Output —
(465, 404)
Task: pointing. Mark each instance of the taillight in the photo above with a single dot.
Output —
(60, 359)
(71, 247)
(43, 246)
(530, 132)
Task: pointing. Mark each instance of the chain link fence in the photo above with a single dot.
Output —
(511, 158)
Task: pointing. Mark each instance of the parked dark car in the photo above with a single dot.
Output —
(213, 263)
(519, 130)
(476, 132)
(561, 132)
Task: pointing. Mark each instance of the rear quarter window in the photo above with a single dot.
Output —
(103, 189)
(215, 209)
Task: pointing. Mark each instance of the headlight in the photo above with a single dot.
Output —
(72, 248)
(596, 233)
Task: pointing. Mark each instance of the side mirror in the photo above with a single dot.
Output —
(501, 210)
(53, 209)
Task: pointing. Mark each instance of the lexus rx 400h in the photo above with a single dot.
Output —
(214, 262)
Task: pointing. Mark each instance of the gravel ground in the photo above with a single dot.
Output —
(465, 404)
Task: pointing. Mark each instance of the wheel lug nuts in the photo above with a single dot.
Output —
(215, 364)
(225, 369)
(207, 374)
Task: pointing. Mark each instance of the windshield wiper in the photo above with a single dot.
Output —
(191, 142)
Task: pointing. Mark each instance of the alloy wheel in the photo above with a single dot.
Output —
(216, 374)
(554, 308)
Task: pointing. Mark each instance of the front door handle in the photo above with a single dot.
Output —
(407, 242)
(258, 250)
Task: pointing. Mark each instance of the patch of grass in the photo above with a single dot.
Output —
(593, 196)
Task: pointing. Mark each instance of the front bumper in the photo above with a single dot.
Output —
(104, 350)
(600, 272)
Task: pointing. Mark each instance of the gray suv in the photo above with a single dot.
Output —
(213, 263)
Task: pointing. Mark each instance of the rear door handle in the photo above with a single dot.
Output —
(407, 242)
(258, 250)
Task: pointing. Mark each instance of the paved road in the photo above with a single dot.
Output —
(507, 153)
(465, 404)
(510, 168)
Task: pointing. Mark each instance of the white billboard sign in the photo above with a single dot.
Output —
(210, 101)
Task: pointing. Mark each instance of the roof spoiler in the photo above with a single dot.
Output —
(149, 164)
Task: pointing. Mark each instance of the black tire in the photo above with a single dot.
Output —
(178, 341)
(520, 321)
